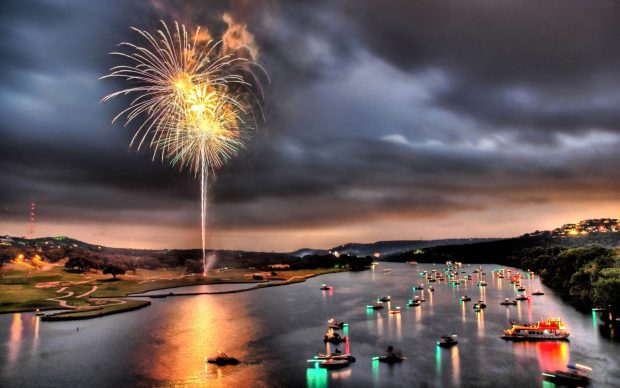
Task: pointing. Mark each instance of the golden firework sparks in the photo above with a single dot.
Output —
(190, 100)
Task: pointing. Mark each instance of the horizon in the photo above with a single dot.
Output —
(307, 247)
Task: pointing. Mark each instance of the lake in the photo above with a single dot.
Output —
(275, 330)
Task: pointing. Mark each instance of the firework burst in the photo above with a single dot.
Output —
(191, 103)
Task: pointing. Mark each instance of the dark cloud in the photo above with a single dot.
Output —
(412, 111)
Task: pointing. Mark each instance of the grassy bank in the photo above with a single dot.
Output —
(95, 312)
(82, 294)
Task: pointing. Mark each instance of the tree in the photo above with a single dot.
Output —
(114, 269)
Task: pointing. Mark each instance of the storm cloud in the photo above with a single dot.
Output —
(434, 119)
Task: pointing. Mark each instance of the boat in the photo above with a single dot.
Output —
(432, 280)
(375, 306)
(384, 298)
(431, 289)
(334, 363)
(222, 359)
(538, 292)
(482, 283)
(465, 298)
(413, 303)
(395, 311)
(480, 305)
(421, 299)
(421, 287)
(325, 287)
(521, 288)
(38, 312)
(447, 341)
(336, 325)
(412, 262)
(508, 302)
(391, 356)
(550, 330)
(334, 338)
(387, 270)
(483, 273)
(522, 297)
(574, 377)
(335, 356)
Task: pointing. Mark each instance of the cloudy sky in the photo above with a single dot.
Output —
(406, 120)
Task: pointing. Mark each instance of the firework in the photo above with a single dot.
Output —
(191, 103)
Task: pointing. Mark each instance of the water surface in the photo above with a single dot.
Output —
(275, 330)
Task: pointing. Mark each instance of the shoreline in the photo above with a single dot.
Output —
(131, 304)
(259, 285)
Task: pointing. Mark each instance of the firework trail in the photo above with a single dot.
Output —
(193, 101)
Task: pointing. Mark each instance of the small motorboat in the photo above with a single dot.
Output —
(482, 283)
(574, 377)
(222, 359)
(431, 288)
(335, 356)
(395, 311)
(520, 289)
(432, 280)
(447, 341)
(420, 298)
(465, 298)
(334, 363)
(334, 338)
(325, 287)
(508, 302)
(413, 303)
(374, 306)
(38, 312)
(480, 305)
(484, 273)
(336, 325)
(384, 298)
(420, 287)
(391, 356)
(538, 292)
(522, 297)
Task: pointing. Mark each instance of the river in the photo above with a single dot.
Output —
(275, 330)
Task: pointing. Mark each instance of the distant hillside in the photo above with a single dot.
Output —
(55, 242)
(308, 251)
(503, 251)
(391, 247)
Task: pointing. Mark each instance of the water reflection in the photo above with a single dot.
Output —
(552, 355)
(316, 377)
(375, 372)
(463, 313)
(456, 366)
(198, 327)
(15, 339)
(480, 322)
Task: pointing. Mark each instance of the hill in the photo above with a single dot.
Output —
(384, 248)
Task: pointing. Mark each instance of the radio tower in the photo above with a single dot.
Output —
(31, 223)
